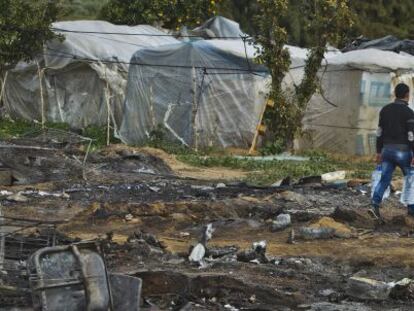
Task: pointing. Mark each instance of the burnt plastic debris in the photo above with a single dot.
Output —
(256, 255)
(76, 277)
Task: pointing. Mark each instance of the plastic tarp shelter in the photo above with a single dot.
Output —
(81, 76)
(220, 27)
(204, 93)
(343, 117)
(388, 43)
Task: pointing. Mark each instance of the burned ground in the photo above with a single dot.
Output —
(148, 214)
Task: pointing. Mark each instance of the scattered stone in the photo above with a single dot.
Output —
(202, 188)
(17, 197)
(293, 197)
(184, 234)
(308, 233)
(252, 299)
(341, 230)
(403, 290)
(327, 292)
(129, 217)
(282, 221)
(333, 176)
(5, 193)
(230, 307)
(367, 289)
(155, 189)
(221, 185)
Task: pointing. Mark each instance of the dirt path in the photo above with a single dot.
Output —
(182, 169)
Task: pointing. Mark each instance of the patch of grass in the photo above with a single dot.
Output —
(99, 136)
(268, 172)
(10, 129)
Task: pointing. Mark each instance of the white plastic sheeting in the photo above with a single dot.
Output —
(80, 74)
(204, 93)
(355, 86)
(220, 27)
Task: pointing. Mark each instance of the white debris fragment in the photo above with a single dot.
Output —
(333, 176)
(5, 192)
(145, 171)
(256, 261)
(184, 234)
(282, 221)
(155, 189)
(129, 217)
(45, 194)
(230, 307)
(259, 245)
(202, 188)
(197, 254)
(199, 251)
(18, 197)
(209, 232)
(221, 185)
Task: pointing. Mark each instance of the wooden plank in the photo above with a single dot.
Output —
(257, 133)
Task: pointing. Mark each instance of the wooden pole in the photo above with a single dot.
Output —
(259, 127)
(152, 112)
(195, 108)
(42, 100)
(2, 242)
(108, 108)
(3, 86)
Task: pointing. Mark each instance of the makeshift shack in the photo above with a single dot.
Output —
(83, 75)
(203, 93)
(343, 118)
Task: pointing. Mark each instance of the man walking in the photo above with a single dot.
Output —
(395, 143)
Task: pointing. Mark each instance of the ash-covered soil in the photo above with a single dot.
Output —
(148, 216)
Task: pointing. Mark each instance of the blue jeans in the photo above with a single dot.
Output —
(391, 158)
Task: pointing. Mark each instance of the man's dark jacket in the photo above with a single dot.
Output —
(396, 126)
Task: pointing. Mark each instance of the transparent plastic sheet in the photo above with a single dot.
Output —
(75, 89)
(355, 86)
(220, 27)
(228, 90)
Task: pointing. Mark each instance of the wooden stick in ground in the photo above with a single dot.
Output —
(257, 133)
(3, 86)
(152, 112)
(194, 111)
(2, 242)
(40, 72)
(108, 108)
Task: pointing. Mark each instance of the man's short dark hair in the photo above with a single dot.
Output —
(401, 90)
